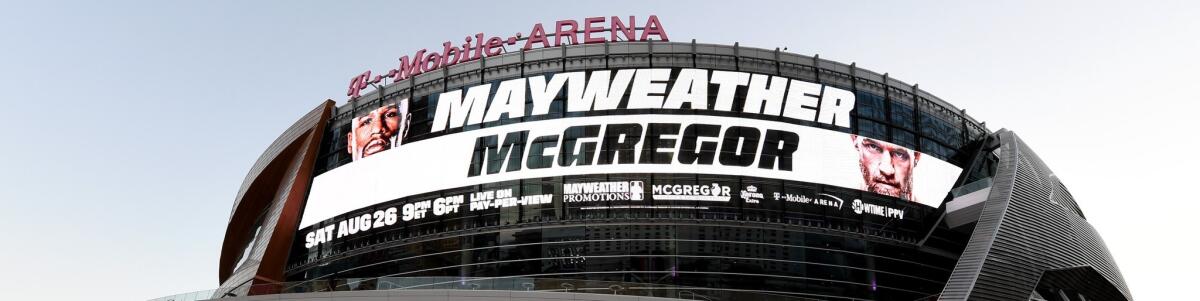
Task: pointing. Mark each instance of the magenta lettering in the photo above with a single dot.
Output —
(478, 46)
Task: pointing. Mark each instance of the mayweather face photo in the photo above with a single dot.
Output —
(379, 130)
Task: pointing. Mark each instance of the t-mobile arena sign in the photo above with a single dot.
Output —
(565, 32)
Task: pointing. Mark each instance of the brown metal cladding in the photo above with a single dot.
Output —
(271, 267)
(274, 170)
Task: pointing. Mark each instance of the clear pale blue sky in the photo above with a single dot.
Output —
(127, 127)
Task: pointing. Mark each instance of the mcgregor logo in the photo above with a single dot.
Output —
(708, 193)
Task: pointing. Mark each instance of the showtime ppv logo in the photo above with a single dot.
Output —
(564, 32)
(861, 207)
(604, 191)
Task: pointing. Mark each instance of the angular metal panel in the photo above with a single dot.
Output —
(1030, 225)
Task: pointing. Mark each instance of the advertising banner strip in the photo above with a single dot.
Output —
(603, 198)
(640, 144)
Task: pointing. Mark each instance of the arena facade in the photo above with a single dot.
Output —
(599, 159)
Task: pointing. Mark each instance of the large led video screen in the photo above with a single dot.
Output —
(506, 131)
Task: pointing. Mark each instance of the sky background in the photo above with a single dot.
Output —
(129, 126)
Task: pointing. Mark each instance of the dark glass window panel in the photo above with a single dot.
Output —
(940, 130)
(872, 129)
(902, 115)
(937, 150)
(904, 138)
(870, 106)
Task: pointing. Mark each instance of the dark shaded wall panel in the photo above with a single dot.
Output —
(1030, 225)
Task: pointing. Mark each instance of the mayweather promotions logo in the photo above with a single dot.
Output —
(604, 191)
